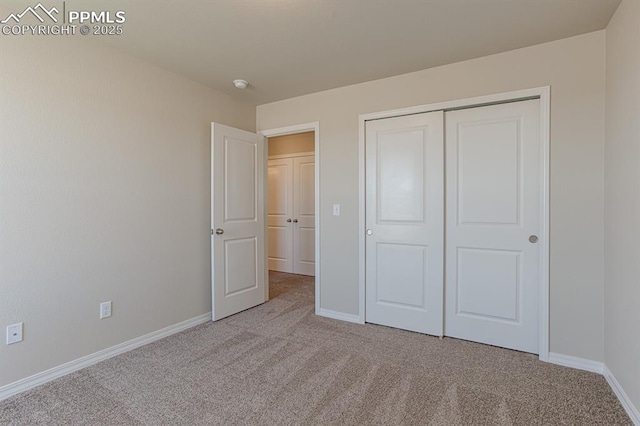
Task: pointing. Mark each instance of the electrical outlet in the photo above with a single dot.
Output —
(105, 309)
(14, 333)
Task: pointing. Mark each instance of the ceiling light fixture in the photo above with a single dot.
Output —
(241, 84)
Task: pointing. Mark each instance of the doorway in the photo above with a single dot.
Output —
(454, 238)
(239, 204)
(299, 146)
(291, 203)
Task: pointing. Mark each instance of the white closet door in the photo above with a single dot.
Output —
(493, 204)
(280, 215)
(404, 219)
(304, 215)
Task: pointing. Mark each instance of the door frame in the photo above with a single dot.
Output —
(291, 130)
(544, 94)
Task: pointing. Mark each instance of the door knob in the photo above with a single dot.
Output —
(533, 239)
(289, 220)
(219, 231)
(295, 220)
(369, 232)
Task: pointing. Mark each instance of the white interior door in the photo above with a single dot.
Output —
(405, 222)
(493, 217)
(237, 220)
(304, 222)
(280, 215)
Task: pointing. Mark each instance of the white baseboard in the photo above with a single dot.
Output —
(338, 315)
(600, 368)
(575, 362)
(631, 410)
(94, 358)
(80, 363)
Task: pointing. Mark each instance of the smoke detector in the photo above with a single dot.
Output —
(241, 84)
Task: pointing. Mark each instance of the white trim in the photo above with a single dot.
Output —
(628, 406)
(94, 358)
(543, 93)
(301, 128)
(290, 130)
(338, 315)
(362, 223)
(543, 308)
(265, 214)
(599, 368)
(575, 362)
(459, 103)
(292, 155)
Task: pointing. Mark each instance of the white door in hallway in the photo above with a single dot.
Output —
(280, 215)
(304, 214)
(493, 193)
(291, 217)
(237, 220)
(404, 220)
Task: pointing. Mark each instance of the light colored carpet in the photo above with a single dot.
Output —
(279, 364)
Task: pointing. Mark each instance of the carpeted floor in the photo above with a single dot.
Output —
(279, 364)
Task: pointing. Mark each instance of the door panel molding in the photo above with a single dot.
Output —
(541, 93)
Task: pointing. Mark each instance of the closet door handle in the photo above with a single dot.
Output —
(295, 220)
(289, 220)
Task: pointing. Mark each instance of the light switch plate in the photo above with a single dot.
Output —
(336, 209)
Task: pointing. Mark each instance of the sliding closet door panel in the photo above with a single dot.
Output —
(280, 215)
(304, 227)
(493, 194)
(404, 219)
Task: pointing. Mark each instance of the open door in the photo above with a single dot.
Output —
(237, 221)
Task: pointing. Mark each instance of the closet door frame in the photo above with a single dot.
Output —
(296, 154)
(542, 93)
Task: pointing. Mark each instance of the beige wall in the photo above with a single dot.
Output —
(622, 199)
(292, 144)
(574, 68)
(104, 192)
